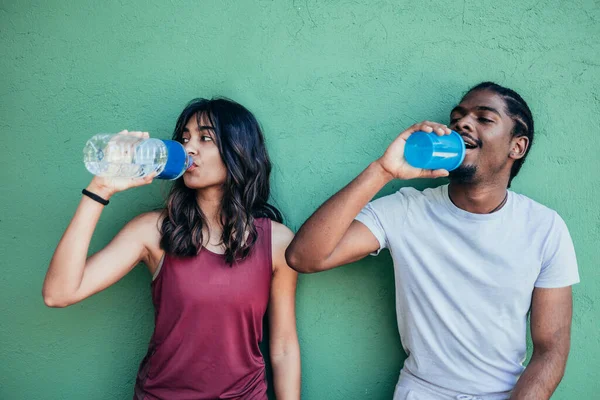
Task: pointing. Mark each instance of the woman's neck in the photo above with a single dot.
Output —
(210, 200)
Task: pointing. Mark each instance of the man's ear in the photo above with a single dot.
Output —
(518, 147)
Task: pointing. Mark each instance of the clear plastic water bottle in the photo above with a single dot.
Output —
(125, 156)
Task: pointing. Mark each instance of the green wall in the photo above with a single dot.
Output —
(332, 83)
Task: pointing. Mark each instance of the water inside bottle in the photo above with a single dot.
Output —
(106, 169)
(124, 157)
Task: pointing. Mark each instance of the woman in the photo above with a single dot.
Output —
(217, 257)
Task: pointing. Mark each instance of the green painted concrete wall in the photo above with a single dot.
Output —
(332, 83)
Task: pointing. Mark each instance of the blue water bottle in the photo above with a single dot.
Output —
(430, 151)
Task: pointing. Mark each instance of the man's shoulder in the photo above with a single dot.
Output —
(533, 208)
(408, 196)
(428, 194)
(537, 216)
(403, 199)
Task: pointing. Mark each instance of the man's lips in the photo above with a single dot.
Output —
(470, 142)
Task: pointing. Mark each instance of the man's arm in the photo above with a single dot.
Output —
(551, 312)
(331, 237)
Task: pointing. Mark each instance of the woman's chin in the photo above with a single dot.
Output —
(196, 183)
(192, 182)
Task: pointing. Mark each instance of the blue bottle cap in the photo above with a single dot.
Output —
(177, 161)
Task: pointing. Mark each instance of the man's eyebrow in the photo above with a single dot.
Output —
(458, 109)
(462, 110)
(491, 109)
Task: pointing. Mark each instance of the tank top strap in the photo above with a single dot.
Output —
(264, 240)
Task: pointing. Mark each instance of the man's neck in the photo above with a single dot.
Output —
(478, 198)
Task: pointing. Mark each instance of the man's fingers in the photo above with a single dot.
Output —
(432, 174)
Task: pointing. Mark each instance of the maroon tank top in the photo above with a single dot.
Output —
(208, 318)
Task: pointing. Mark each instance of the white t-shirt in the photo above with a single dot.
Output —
(464, 282)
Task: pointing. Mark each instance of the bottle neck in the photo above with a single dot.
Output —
(189, 163)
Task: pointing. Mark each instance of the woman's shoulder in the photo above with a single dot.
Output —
(281, 235)
(149, 219)
(147, 227)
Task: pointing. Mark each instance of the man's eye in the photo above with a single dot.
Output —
(485, 120)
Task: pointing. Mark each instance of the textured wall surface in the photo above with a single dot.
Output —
(332, 83)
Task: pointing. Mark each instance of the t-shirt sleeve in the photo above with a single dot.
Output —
(559, 264)
(379, 213)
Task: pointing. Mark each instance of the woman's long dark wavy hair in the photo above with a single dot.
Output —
(246, 189)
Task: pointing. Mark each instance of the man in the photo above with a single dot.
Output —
(471, 258)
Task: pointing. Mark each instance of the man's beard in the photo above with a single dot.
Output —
(463, 174)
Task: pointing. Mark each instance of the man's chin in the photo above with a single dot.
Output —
(463, 174)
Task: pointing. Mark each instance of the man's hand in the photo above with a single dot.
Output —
(394, 163)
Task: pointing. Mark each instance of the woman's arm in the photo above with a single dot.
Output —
(283, 344)
(72, 276)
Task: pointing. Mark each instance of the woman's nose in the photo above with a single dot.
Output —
(190, 148)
